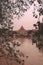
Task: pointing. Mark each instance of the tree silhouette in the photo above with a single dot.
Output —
(8, 8)
(6, 40)
(21, 6)
(6, 14)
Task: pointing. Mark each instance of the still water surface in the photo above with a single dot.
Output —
(35, 57)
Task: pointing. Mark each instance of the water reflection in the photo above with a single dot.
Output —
(38, 42)
(35, 55)
(32, 55)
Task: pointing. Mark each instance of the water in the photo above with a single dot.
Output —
(35, 57)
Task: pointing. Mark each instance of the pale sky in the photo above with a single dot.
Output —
(26, 21)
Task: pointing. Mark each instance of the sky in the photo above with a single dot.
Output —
(27, 20)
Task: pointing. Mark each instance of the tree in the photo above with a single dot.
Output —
(21, 6)
(8, 8)
(6, 16)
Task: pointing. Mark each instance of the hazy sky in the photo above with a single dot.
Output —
(26, 21)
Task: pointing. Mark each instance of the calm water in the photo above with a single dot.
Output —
(35, 56)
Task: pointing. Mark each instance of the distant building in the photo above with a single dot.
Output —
(22, 31)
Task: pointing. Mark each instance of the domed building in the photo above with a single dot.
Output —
(22, 32)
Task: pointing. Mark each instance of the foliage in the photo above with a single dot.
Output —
(7, 46)
(21, 6)
(6, 14)
(8, 50)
